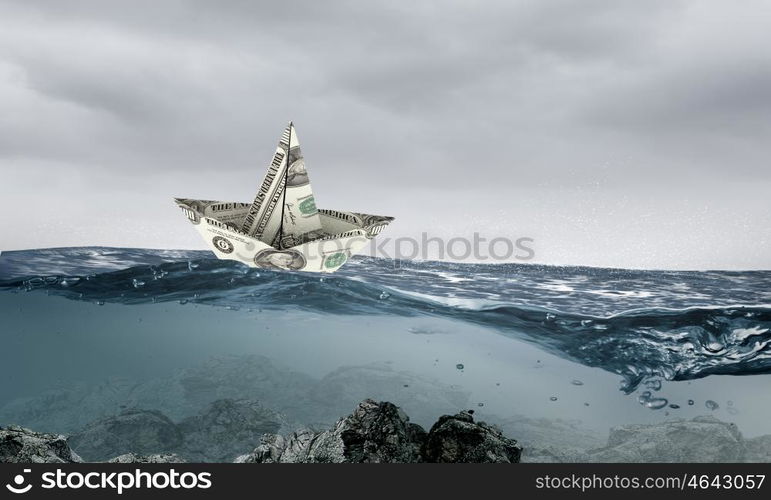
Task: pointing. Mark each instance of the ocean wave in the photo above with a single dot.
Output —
(641, 326)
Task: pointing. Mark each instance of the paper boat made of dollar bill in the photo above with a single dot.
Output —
(282, 228)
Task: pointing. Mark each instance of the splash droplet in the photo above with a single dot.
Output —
(459, 366)
(714, 347)
(674, 406)
(711, 405)
(656, 403)
(653, 385)
(553, 398)
(384, 295)
(65, 282)
(137, 283)
(690, 402)
(575, 381)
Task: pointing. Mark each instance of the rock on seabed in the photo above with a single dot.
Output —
(20, 445)
(381, 432)
(156, 458)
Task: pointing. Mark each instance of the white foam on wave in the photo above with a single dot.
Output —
(557, 286)
(642, 294)
(452, 278)
(466, 303)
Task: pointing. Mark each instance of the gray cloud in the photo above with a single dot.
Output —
(470, 100)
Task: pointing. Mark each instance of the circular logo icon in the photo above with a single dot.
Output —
(222, 244)
(19, 480)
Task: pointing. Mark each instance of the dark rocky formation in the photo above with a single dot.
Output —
(20, 445)
(375, 432)
(275, 448)
(132, 458)
(458, 439)
(381, 432)
(132, 431)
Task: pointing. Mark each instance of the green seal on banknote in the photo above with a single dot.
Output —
(335, 260)
(308, 206)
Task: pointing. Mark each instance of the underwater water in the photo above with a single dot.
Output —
(558, 354)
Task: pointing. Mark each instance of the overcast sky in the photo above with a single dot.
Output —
(613, 133)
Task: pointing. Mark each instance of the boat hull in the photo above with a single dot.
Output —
(344, 234)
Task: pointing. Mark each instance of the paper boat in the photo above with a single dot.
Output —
(282, 228)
